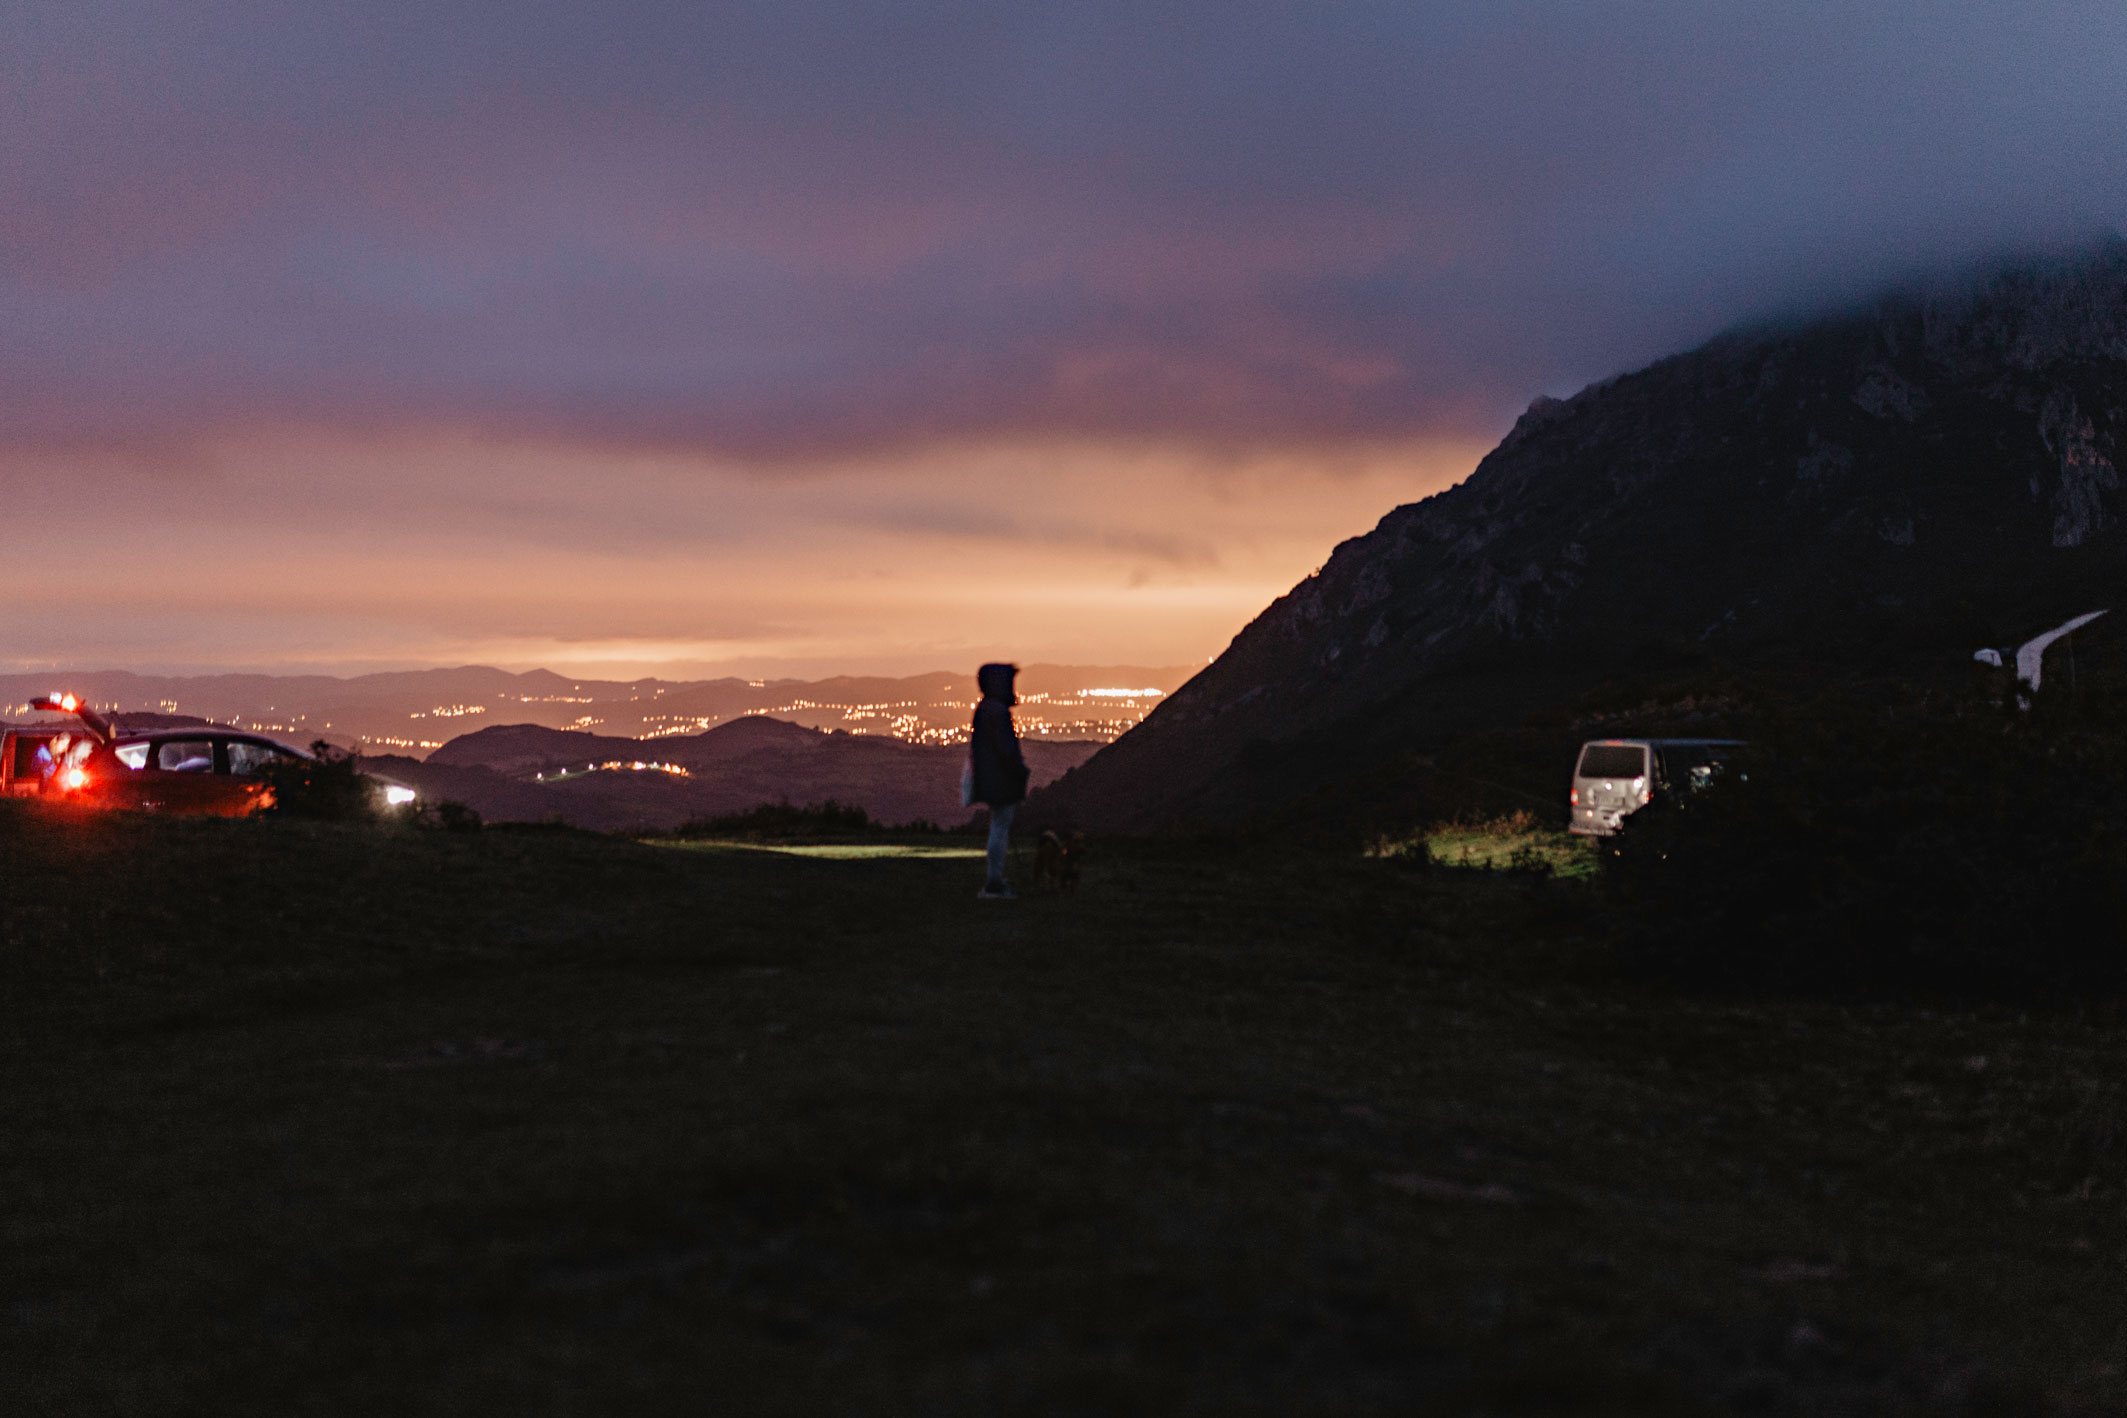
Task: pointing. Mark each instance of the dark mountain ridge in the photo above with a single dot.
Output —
(525, 772)
(526, 750)
(416, 711)
(1881, 491)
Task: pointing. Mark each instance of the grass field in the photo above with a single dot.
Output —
(305, 1120)
(1517, 842)
(928, 850)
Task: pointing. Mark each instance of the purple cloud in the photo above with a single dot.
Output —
(777, 229)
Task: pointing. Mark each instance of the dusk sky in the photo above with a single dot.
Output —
(792, 337)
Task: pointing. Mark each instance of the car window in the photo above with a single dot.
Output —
(185, 755)
(248, 759)
(132, 755)
(1612, 760)
(26, 764)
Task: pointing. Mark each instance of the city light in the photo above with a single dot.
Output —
(618, 766)
(1101, 713)
(1097, 712)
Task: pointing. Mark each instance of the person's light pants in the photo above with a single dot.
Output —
(1000, 838)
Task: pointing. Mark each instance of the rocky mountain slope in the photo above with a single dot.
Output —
(1884, 490)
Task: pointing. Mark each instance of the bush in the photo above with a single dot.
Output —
(1904, 843)
(447, 816)
(329, 785)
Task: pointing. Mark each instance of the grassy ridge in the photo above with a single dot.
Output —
(306, 1119)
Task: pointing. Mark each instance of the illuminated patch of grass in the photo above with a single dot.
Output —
(845, 851)
(1516, 842)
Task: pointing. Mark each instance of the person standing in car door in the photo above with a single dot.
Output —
(999, 770)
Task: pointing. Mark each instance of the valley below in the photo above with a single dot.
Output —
(529, 774)
(411, 713)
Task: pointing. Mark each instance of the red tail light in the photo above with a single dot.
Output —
(75, 779)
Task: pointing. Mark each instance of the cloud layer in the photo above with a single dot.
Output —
(772, 227)
(777, 237)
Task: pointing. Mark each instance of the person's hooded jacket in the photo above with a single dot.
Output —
(1000, 769)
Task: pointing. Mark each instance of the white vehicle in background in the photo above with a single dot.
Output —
(1614, 778)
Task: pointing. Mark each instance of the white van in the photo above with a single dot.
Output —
(1614, 778)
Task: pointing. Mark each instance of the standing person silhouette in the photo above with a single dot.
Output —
(999, 770)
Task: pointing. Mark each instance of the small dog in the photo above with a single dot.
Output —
(1056, 859)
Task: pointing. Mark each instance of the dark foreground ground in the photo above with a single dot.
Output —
(300, 1120)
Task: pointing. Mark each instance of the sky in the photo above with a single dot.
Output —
(802, 338)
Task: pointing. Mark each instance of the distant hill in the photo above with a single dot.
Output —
(414, 712)
(1881, 492)
(524, 772)
(526, 750)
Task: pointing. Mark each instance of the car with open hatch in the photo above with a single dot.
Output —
(205, 770)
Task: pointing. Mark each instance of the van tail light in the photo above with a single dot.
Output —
(1573, 796)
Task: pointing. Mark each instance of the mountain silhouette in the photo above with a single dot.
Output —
(524, 772)
(1883, 491)
(521, 750)
(413, 712)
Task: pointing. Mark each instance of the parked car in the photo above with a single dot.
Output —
(1614, 778)
(203, 770)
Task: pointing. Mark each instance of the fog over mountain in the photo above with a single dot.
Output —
(1883, 491)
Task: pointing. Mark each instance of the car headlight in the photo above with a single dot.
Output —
(396, 796)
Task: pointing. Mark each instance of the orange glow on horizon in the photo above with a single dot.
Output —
(436, 549)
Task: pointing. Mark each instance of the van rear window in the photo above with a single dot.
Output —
(1613, 760)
